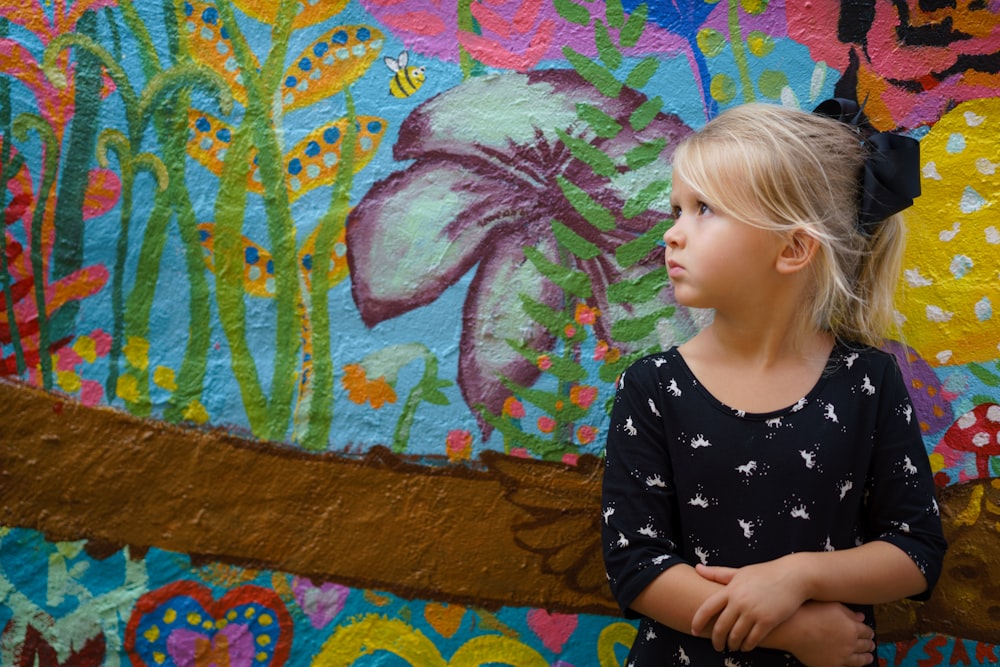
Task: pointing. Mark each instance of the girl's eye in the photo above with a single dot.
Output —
(703, 208)
(676, 212)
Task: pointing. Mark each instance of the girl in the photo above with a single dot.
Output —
(766, 482)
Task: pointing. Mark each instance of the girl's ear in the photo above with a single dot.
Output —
(798, 251)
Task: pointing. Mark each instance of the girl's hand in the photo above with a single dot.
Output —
(756, 599)
(828, 634)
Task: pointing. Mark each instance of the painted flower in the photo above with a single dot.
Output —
(586, 434)
(513, 408)
(483, 183)
(459, 445)
(583, 395)
(911, 61)
(360, 389)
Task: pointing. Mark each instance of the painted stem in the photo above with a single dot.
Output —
(50, 167)
(739, 50)
(320, 414)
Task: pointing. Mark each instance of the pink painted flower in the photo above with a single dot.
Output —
(513, 408)
(585, 434)
(459, 445)
(583, 395)
(481, 187)
(546, 424)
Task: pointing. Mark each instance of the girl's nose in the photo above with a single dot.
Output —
(672, 237)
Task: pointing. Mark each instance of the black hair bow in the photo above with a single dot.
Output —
(890, 179)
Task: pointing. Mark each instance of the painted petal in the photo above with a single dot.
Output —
(514, 109)
(418, 231)
(493, 315)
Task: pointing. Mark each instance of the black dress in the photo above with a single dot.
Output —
(688, 479)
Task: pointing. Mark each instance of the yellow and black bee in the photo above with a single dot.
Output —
(406, 80)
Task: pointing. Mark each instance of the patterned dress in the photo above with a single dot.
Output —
(689, 479)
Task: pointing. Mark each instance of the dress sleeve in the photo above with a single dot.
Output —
(639, 526)
(901, 504)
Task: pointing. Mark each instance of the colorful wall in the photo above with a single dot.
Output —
(311, 311)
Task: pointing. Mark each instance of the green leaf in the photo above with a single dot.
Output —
(641, 290)
(639, 328)
(610, 55)
(772, 82)
(754, 7)
(639, 204)
(629, 253)
(642, 73)
(984, 375)
(711, 42)
(573, 242)
(554, 321)
(645, 153)
(634, 27)
(572, 12)
(610, 372)
(599, 76)
(569, 280)
(603, 125)
(615, 13)
(590, 155)
(563, 369)
(594, 213)
(760, 43)
(645, 113)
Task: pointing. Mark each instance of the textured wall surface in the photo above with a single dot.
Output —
(311, 311)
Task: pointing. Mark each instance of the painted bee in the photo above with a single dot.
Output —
(406, 80)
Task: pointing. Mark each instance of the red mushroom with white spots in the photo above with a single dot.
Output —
(977, 431)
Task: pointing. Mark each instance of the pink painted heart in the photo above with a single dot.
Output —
(553, 629)
(321, 604)
(182, 623)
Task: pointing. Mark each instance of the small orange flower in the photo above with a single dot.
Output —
(585, 314)
(601, 350)
(570, 459)
(513, 408)
(583, 395)
(613, 355)
(546, 424)
(570, 331)
(459, 445)
(544, 362)
(586, 434)
(360, 389)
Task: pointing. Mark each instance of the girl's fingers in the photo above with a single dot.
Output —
(708, 610)
(716, 573)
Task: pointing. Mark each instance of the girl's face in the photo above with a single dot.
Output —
(715, 260)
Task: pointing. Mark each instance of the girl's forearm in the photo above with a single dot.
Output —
(674, 596)
(872, 573)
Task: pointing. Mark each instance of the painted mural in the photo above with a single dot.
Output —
(311, 311)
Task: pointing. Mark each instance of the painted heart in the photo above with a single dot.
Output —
(445, 618)
(553, 629)
(321, 604)
(182, 625)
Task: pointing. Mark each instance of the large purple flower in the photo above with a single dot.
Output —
(484, 185)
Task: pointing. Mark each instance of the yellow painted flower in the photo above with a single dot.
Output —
(86, 347)
(127, 388)
(68, 381)
(164, 377)
(136, 352)
(196, 412)
(360, 389)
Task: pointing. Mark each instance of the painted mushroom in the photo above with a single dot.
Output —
(977, 431)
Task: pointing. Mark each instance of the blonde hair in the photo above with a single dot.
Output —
(783, 169)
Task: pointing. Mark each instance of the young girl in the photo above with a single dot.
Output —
(766, 482)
